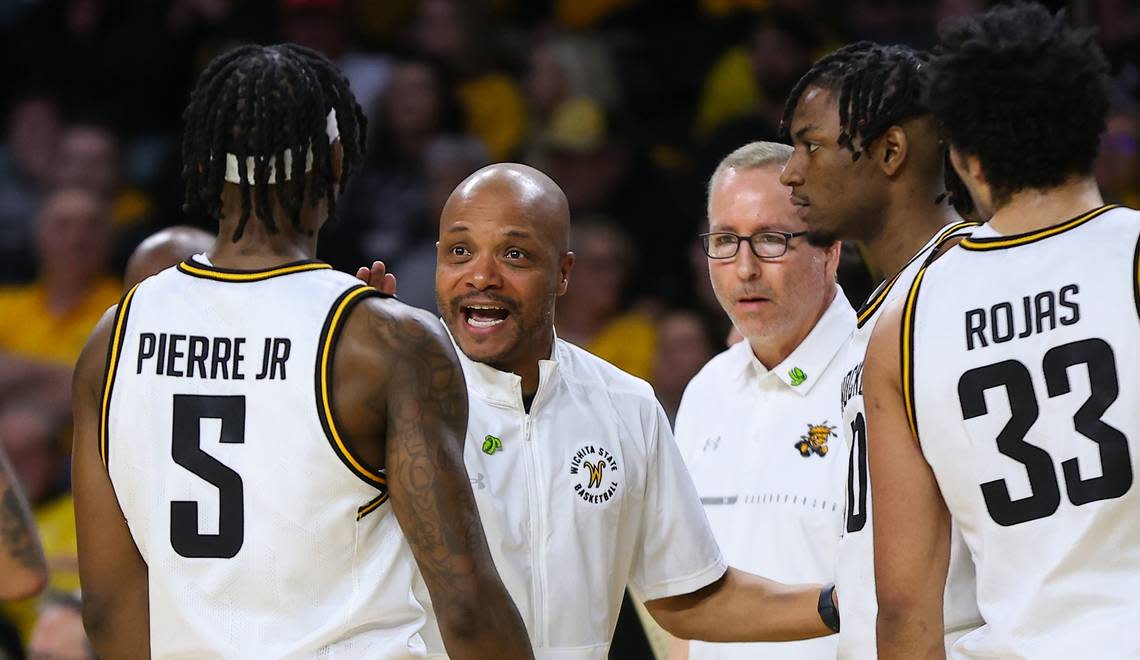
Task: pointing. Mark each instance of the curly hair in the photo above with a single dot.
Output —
(257, 102)
(1022, 90)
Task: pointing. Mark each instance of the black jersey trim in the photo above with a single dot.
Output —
(330, 333)
(1136, 276)
(878, 298)
(906, 349)
(372, 505)
(196, 269)
(1002, 242)
(109, 370)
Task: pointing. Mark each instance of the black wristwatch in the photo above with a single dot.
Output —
(827, 611)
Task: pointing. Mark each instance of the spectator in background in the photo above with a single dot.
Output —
(746, 87)
(44, 325)
(458, 34)
(1118, 164)
(26, 173)
(591, 313)
(448, 160)
(90, 158)
(685, 342)
(590, 151)
(382, 208)
(564, 67)
(59, 633)
(756, 426)
(323, 25)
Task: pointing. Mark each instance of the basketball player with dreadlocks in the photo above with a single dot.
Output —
(868, 166)
(1003, 391)
(266, 449)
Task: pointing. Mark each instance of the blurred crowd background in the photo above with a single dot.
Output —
(627, 104)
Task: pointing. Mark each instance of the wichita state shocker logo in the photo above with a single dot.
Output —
(594, 473)
(815, 440)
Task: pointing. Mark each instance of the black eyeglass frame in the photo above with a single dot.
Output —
(785, 235)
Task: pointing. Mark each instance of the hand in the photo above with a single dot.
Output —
(378, 277)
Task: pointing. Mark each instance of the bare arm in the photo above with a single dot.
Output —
(23, 571)
(741, 607)
(116, 610)
(912, 525)
(423, 402)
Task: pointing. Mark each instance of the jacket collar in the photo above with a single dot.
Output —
(504, 388)
(804, 367)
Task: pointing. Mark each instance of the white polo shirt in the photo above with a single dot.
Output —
(768, 458)
(582, 496)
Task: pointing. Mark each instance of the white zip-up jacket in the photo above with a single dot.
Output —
(582, 496)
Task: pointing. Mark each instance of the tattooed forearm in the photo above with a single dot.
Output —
(21, 559)
(432, 498)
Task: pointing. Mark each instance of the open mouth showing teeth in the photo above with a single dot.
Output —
(484, 316)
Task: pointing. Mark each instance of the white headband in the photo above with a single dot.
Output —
(234, 176)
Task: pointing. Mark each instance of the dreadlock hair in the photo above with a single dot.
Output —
(878, 86)
(1022, 90)
(257, 102)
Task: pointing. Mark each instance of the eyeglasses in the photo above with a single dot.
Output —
(765, 244)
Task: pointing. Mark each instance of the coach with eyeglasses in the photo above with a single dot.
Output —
(758, 426)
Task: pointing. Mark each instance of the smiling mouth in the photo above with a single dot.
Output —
(484, 316)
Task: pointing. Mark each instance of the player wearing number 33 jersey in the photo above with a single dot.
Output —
(1002, 392)
(1021, 364)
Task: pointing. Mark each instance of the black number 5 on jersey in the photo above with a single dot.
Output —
(1115, 458)
(186, 449)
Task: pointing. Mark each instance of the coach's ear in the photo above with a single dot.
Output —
(891, 150)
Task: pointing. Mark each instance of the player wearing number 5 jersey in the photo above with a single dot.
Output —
(269, 454)
(1002, 393)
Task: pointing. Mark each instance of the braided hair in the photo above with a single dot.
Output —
(878, 86)
(257, 102)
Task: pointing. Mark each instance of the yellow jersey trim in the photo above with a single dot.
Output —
(906, 350)
(329, 335)
(224, 275)
(117, 338)
(868, 310)
(1001, 242)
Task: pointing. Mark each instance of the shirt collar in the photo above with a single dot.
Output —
(503, 388)
(804, 367)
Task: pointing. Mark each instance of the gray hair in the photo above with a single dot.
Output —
(751, 156)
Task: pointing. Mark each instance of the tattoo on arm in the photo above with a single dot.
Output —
(17, 528)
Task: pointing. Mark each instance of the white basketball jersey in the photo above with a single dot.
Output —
(855, 568)
(1021, 373)
(265, 537)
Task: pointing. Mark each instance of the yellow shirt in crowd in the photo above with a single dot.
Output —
(30, 330)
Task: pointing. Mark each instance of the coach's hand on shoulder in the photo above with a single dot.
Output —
(378, 277)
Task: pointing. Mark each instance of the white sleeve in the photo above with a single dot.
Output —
(683, 432)
(678, 553)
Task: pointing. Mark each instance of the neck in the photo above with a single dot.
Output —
(771, 351)
(258, 247)
(528, 368)
(908, 224)
(1031, 210)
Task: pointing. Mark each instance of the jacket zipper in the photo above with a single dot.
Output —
(536, 534)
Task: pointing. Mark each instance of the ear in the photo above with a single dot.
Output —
(892, 150)
(565, 265)
(832, 256)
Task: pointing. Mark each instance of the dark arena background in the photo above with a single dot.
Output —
(628, 104)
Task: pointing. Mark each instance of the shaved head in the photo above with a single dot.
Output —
(504, 257)
(164, 249)
(528, 191)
